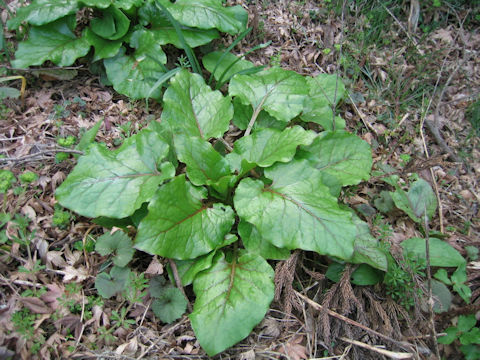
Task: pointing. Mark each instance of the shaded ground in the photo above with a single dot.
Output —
(411, 96)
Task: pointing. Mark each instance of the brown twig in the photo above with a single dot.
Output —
(178, 282)
(390, 354)
(38, 155)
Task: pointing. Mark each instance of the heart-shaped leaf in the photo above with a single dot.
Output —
(180, 225)
(296, 211)
(170, 305)
(117, 243)
(191, 108)
(116, 183)
(280, 92)
(208, 14)
(55, 42)
(340, 155)
(108, 285)
(232, 297)
(42, 12)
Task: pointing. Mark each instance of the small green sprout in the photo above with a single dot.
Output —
(28, 177)
(7, 179)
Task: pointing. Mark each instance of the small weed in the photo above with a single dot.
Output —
(467, 333)
(24, 324)
(399, 281)
(61, 218)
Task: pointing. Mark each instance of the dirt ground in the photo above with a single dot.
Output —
(412, 89)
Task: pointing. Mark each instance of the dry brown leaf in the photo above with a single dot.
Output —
(294, 349)
(77, 274)
(52, 295)
(128, 348)
(155, 267)
(36, 305)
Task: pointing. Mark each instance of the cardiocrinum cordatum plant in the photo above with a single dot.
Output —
(220, 211)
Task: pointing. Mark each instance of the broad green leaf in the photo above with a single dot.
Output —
(442, 297)
(147, 45)
(442, 275)
(108, 285)
(151, 16)
(229, 66)
(180, 225)
(367, 248)
(232, 297)
(188, 269)
(8, 92)
(116, 183)
(205, 166)
(325, 91)
(55, 42)
(466, 322)
(157, 285)
(113, 24)
(452, 334)
(170, 305)
(471, 337)
(255, 244)
(296, 211)
(441, 253)
(134, 75)
(121, 4)
(268, 146)
(41, 12)
(191, 108)
(340, 155)
(280, 92)
(384, 203)
(416, 200)
(208, 14)
(243, 113)
(366, 275)
(118, 244)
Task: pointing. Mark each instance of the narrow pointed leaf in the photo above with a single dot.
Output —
(268, 146)
(208, 14)
(340, 155)
(55, 42)
(116, 183)
(179, 225)
(280, 92)
(191, 108)
(296, 211)
(232, 297)
(41, 12)
(205, 166)
(325, 91)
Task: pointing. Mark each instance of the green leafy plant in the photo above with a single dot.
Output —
(468, 335)
(127, 36)
(457, 281)
(229, 211)
(61, 218)
(169, 303)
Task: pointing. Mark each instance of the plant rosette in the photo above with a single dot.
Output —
(222, 214)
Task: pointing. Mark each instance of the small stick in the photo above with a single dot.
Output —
(319, 307)
(390, 354)
(178, 282)
(365, 121)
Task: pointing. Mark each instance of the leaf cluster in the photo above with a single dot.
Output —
(127, 36)
(221, 212)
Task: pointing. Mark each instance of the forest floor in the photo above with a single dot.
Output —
(413, 94)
